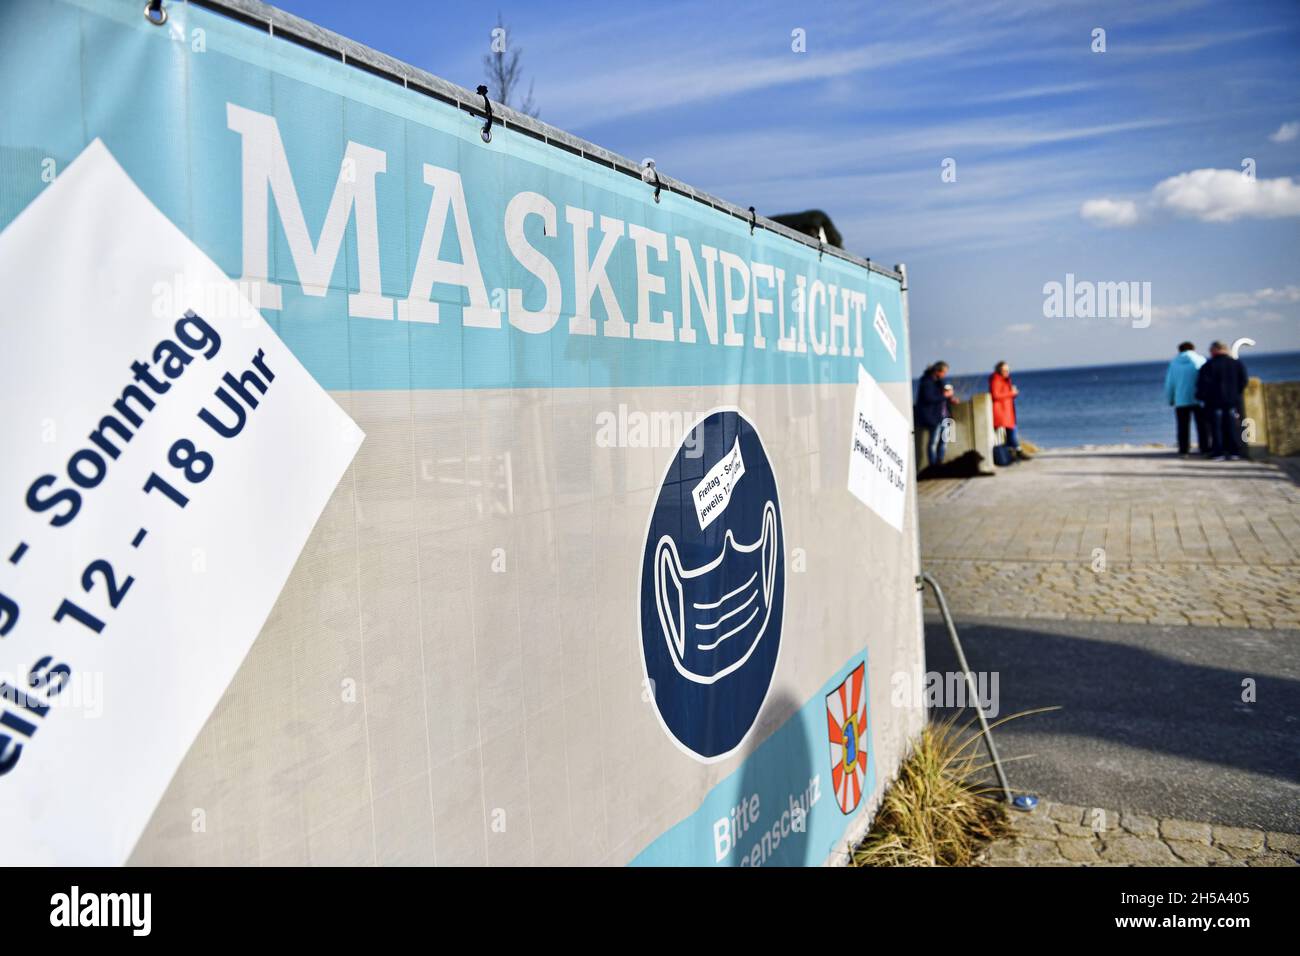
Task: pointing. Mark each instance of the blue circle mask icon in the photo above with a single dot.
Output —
(713, 586)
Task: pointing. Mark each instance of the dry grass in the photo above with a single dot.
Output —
(936, 813)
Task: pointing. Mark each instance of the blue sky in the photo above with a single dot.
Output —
(1115, 166)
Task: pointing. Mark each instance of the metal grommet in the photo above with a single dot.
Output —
(154, 13)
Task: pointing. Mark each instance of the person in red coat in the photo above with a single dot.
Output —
(1004, 406)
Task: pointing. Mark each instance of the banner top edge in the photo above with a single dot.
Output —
(277, 22)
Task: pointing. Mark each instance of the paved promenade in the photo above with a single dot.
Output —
(1060, 834)
(1121, 535)
(1156, 601)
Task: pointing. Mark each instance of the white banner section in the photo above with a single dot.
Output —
(165, 460)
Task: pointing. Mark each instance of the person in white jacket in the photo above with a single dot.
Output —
(1180, 392)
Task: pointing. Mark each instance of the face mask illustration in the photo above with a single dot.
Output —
(715, 615)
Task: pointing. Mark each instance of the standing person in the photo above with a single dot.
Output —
(1004, 394)
(1220, 384)
(931, 409)
(1180, 392)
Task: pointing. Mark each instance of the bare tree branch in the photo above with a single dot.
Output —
(504, 71)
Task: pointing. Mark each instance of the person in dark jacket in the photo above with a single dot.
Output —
(931, 409)
(1220, 384)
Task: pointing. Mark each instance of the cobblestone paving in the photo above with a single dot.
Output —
(1122, 534)
(1060, 834)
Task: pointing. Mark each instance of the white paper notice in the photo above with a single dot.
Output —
(713, 494)
(881, 322)
(878, 458)
(162, 472)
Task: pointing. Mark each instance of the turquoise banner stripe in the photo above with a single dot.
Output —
(790, 768)
(160, 105)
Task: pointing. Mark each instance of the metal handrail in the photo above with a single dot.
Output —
(1024, 801)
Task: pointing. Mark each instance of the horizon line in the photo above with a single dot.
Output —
(1076, 368)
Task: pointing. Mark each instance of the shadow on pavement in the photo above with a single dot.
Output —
(1153, 718)
(1201, 474)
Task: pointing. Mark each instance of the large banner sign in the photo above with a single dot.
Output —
(377, 491)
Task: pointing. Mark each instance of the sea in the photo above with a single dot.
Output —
(1107, 404)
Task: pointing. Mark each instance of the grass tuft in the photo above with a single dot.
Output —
(936, 813)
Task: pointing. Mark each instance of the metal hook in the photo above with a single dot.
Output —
(752, 216)
(487, 111)
(647, 171)
(154, 13)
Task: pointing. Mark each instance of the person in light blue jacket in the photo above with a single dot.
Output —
(1180, 392)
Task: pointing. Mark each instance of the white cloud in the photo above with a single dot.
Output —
(1242, 306)
(1286, 132)
(1021, 328)
(631, 85)
(1210, 195)
(1110, 212)
(781, 146)
(1033, 92)
(1192, 43)
(1222, 195)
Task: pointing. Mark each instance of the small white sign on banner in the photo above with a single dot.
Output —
(878, 456)
(165, 460)
(713, 493)
(881, 322)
